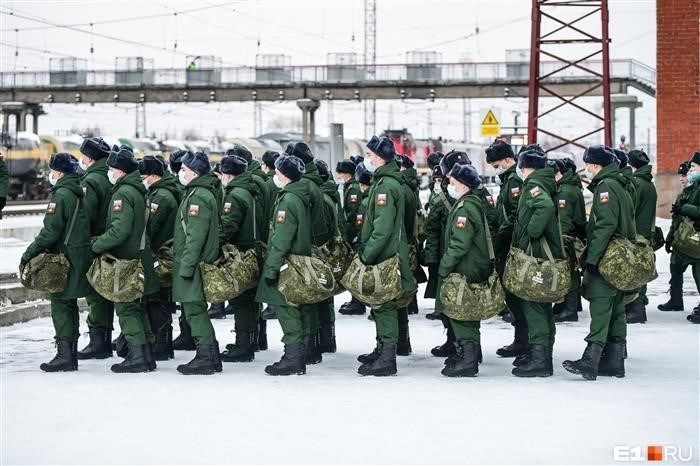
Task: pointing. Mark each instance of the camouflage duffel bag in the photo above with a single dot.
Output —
(686, 239)
(574, 248)
(374, 284)
(46, 272)
(628, 265)
(230, 275)
(337, 254)
(117, 280)
(163, 264)
(305, 280)
(535, 279)
(471, 301)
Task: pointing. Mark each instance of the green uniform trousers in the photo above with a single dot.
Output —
(326, 312)
(466, 331)
(101, 315)
(517, 310)
(159, 312)
(246, 311)
(386, 321)
(540, 323)
(608, 320)
(678, 268)
(197, 318)
(134, 322)
(66, 319)
(295, 323)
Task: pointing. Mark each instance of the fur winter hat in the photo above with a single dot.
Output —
(499, 150)
(467, 175)
(290, 166)
(638, 158)
(233, 165)
(323, 171)
(599, 155)
(269, 157)
(150, 165)
(383, 147)
(434, 159)
(300, 150)
(532, 158)
(63, 162)
(362, 175)
(95, 148)
(622, 158)
(241, 151)
(346, 166)
(123, 159)
(453, 158)
(197, 162)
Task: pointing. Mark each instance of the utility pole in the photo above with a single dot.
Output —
(370, 106)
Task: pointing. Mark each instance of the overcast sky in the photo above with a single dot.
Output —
(306, 32)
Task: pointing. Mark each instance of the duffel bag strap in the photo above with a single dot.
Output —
(72, 222)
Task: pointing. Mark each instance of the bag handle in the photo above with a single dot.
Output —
(142, 244)
(72, 223)
(489, 241)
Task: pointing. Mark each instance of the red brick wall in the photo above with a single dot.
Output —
(677, 90)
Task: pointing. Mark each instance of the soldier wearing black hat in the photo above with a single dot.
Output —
(66, 230)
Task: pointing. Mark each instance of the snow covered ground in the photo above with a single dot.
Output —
(333, 416)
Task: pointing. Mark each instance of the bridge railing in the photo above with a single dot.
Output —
(477, 72)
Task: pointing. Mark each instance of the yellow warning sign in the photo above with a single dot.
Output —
(490, 119)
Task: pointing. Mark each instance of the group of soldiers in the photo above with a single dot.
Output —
(108, 202)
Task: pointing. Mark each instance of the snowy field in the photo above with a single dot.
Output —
(333, 416)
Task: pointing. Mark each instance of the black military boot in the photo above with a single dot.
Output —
(412, 307)
(135, 361)
(694, 318)
(217, 311)
(292, 362)
(385, 364)
(507, 317)
(184, 341)
(149, 355)
(537, 365)
(636, 312)
(242, 350)
(269, 313)
(433, 315)
(403, 347)
(369, 358)
(99, 347)
(353, 308)
(569, 309)
(313, 352)
(448, 348)
(466, 362)
(163, 347)
(261, 337)
(206, 361)
(612, 360)
(120, 346)
(587, 366)
(161, 321)
(66, 358)
(519, 346)
(675, 303)
(326, 335)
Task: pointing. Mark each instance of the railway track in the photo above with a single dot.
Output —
(18, 208)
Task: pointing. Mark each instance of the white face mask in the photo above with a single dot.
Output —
(437, 189)
(146, 184)
(500, 170)
(588, 174)
(452, 191)
(370, 166)
(52, 180)
(181, 176)
(278, 182)
(110, 176)
(81, 164)
(519, 172)
(339, 182)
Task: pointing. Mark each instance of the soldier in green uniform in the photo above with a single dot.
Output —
(571, 209)
(536, 226)
(290, 233)
(125, 238)
(351, 198)
(466, 253)
(501, 157)
(679, 264)
(430, 257)
(4, 183)
(645, 221)
(382, 237)
(162, 198)
(611, 214)
(196, 240)
(238, 227)
(66, 230)
(433, 161)
(97, 190)
(689, 207)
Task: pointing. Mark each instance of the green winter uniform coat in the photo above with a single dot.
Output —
(290, 233)
(126, 222)
(163, 199)
(506, 205)
(196, 236)
(237, 226)
(331, 199)
(411, 202)
(570, 203)
(489, 205)
(311, 181)
(629, 183)
(611, 214)
(645, 203)
(352, 198)
(536, 215)
(98, 191)
(383, 234)
(64, 196)
(466, 249)
(264, 197)
(438, 209)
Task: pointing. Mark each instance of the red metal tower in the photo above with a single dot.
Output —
(561, 31)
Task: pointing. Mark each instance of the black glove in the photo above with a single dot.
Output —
(667, 246)
(270, 281)
(3, 201)
(592, 269)
(676, 209)
(433, 270)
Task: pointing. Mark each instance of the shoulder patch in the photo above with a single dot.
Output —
(489, 200)
(514, 192)
(604, 197)
(359, 219)
(281, 216)
(381, 199)
(353, 198)
(117, 205)
(227, 207)
(461, 222)
(193, 210)
(154, 207)
(84, 191)
(536, 191)
(460, 205)
(562, 203)
(51, 208)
